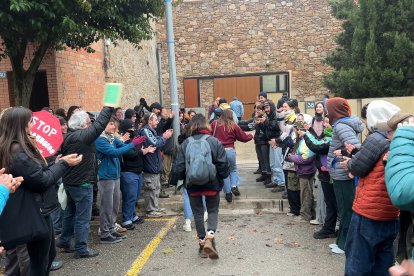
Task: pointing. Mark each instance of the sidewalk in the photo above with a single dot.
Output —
(255, 198)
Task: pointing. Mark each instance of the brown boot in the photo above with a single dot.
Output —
(201, 251)
(210, 247)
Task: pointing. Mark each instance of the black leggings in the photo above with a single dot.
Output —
(262, 152)
(212, 204)
(42, 253)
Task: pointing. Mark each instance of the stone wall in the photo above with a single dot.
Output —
(239, 37)
(136, 69)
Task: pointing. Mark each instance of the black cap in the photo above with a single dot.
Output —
(156, 105)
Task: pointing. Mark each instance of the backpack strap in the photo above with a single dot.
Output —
(204, 137)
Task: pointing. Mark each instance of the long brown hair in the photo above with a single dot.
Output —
(13, 124)
(226, 120)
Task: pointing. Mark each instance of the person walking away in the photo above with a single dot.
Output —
(345, 130)
(78, 181)
(237, 107)
(188, 160)
(20, 156)
(153, 164)
(108, 152)
(374, 224)
(228, 132)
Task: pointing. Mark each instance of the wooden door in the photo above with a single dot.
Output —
(247, 90)
(225, 88)
(191, 93)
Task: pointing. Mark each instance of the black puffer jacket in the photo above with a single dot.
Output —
(38, 178)
(219, 158)
(271, 126)
(362, 163)
(132, 161)
(82, 141)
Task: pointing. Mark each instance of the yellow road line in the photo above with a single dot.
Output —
(150, 248)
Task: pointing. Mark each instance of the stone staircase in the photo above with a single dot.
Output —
(255, 198)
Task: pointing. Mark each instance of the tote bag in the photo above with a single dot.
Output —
(22, 221)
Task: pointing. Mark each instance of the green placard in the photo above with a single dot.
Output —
(113, 93)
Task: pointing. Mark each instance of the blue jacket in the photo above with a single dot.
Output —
(109, 152)
(4, 195)
(399, 171)
(152, 161)
(237, 107)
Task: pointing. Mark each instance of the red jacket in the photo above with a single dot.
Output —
(226, 137)
(371, 197)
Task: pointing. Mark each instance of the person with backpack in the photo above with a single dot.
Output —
(228, 132)
(202, 162)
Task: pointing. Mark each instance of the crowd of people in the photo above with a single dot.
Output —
(119, 154)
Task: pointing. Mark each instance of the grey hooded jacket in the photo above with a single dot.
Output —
(345, 130)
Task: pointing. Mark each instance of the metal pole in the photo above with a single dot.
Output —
(172, 68)
(159, 53)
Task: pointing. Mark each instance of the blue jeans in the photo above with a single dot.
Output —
(233, 179)
(276, 159)
(188, 213)
(77, 217)
(369, 246)
(131, 190)
(57, 218)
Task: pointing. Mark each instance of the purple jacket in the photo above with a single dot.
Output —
(304, 167)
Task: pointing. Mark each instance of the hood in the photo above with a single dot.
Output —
(224, 106)
(125, 125)
(337, 108)
(380, 111)
(355, 123)
(272, 113)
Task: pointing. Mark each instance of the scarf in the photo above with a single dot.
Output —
(109, 137)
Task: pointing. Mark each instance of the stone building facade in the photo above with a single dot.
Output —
(237, 38)
(78, 78)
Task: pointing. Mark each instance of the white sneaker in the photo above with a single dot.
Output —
(333, 245)
(99, 231)
(315, 222)
(289, 214)
(187, 225)
(205, 216)
(338, 251)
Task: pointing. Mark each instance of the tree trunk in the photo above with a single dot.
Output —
(23, 86)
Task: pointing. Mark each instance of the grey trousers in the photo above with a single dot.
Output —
(197, 206)
(320, 203)
(110, 199)
(152, 187)
(307, 200)
(17, 261)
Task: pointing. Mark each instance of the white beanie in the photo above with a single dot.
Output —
(380, 111)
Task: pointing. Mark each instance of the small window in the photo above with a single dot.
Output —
(275, 83)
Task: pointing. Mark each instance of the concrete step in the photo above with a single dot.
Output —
(254, 196)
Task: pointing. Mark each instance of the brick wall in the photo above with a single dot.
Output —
(47, 65)
(240, 37)
(80, 78)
